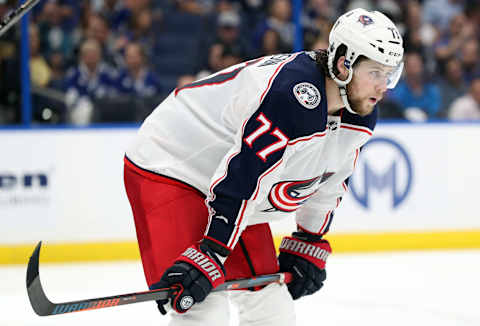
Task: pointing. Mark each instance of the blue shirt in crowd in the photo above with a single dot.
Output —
(429, 100)
(97, 85)
(147, 85)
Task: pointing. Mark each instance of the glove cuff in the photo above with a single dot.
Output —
(316, 253)
(205, 263)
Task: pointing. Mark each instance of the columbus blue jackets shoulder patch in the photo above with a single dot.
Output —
(307, 94)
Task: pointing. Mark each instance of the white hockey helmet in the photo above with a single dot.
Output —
(365, 33)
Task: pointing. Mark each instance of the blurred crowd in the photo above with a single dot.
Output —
(115, 60)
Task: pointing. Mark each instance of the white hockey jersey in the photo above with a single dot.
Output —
(256, 139)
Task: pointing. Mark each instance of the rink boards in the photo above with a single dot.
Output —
(415, 187)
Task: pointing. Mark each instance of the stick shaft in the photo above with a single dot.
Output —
(44, 307)
(12, 18)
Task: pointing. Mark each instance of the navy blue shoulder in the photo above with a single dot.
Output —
(296, 100)
(368, 121)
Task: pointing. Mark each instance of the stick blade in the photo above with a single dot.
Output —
(39, 301)
(32, 270)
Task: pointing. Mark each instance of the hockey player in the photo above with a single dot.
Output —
(270, 138)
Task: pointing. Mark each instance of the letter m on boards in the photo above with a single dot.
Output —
(380, 181)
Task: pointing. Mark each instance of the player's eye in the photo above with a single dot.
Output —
(375, 74)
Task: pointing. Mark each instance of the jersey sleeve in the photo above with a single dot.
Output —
(259, 148)
(258, 151)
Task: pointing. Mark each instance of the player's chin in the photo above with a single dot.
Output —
(364, 109)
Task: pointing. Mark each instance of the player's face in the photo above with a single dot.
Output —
(368, 85)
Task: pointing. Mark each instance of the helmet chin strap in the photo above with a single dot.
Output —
(342, 87)
(342, 84)
(343, 95)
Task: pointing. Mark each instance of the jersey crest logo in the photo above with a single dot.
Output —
(307, 94)
(288, 196)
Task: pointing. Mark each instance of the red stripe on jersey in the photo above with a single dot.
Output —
(367, 131)
(212, 194)
(226, 170)
(223, 176)
(321, 134)
(274, 74)
(237, 225)
(325, 223)
(205, 82)
(177, 90)
(356, 157)
(306, 231)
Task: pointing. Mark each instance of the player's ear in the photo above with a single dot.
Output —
(341, 68)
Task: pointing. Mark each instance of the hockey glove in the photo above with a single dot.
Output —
(304, 255)
(196, 272)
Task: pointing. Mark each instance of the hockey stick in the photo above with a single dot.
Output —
(15, 15)
(44, 307)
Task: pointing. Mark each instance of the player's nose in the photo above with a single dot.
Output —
(381, 87)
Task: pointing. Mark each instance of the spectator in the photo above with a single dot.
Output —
(69, 12)
(135, 6)
(252, 11)
(91, 79)
(195, 7)
(54, 37)
(185, 80)
(48, 105)
(418, 36)
(115, 12)
(136, 79)
(419, 99)
(142, 30)
(279, 20)
(366, 4)
(99, 30)
(316, 21)
(451, 85)
(320, 43)
(472, 11)
(271, 43)
(469, 57)
(460, 31)
(467, 107)
(57, 65)
(227, 47)
(137, 90)
(439, 12)
(9, 66)
(40, 72)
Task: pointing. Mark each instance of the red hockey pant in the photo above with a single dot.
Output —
(170, 216)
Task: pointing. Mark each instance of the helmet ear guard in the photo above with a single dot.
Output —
(332, 56)
(369, 34)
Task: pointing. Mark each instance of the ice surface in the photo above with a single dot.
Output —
(414, 288)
